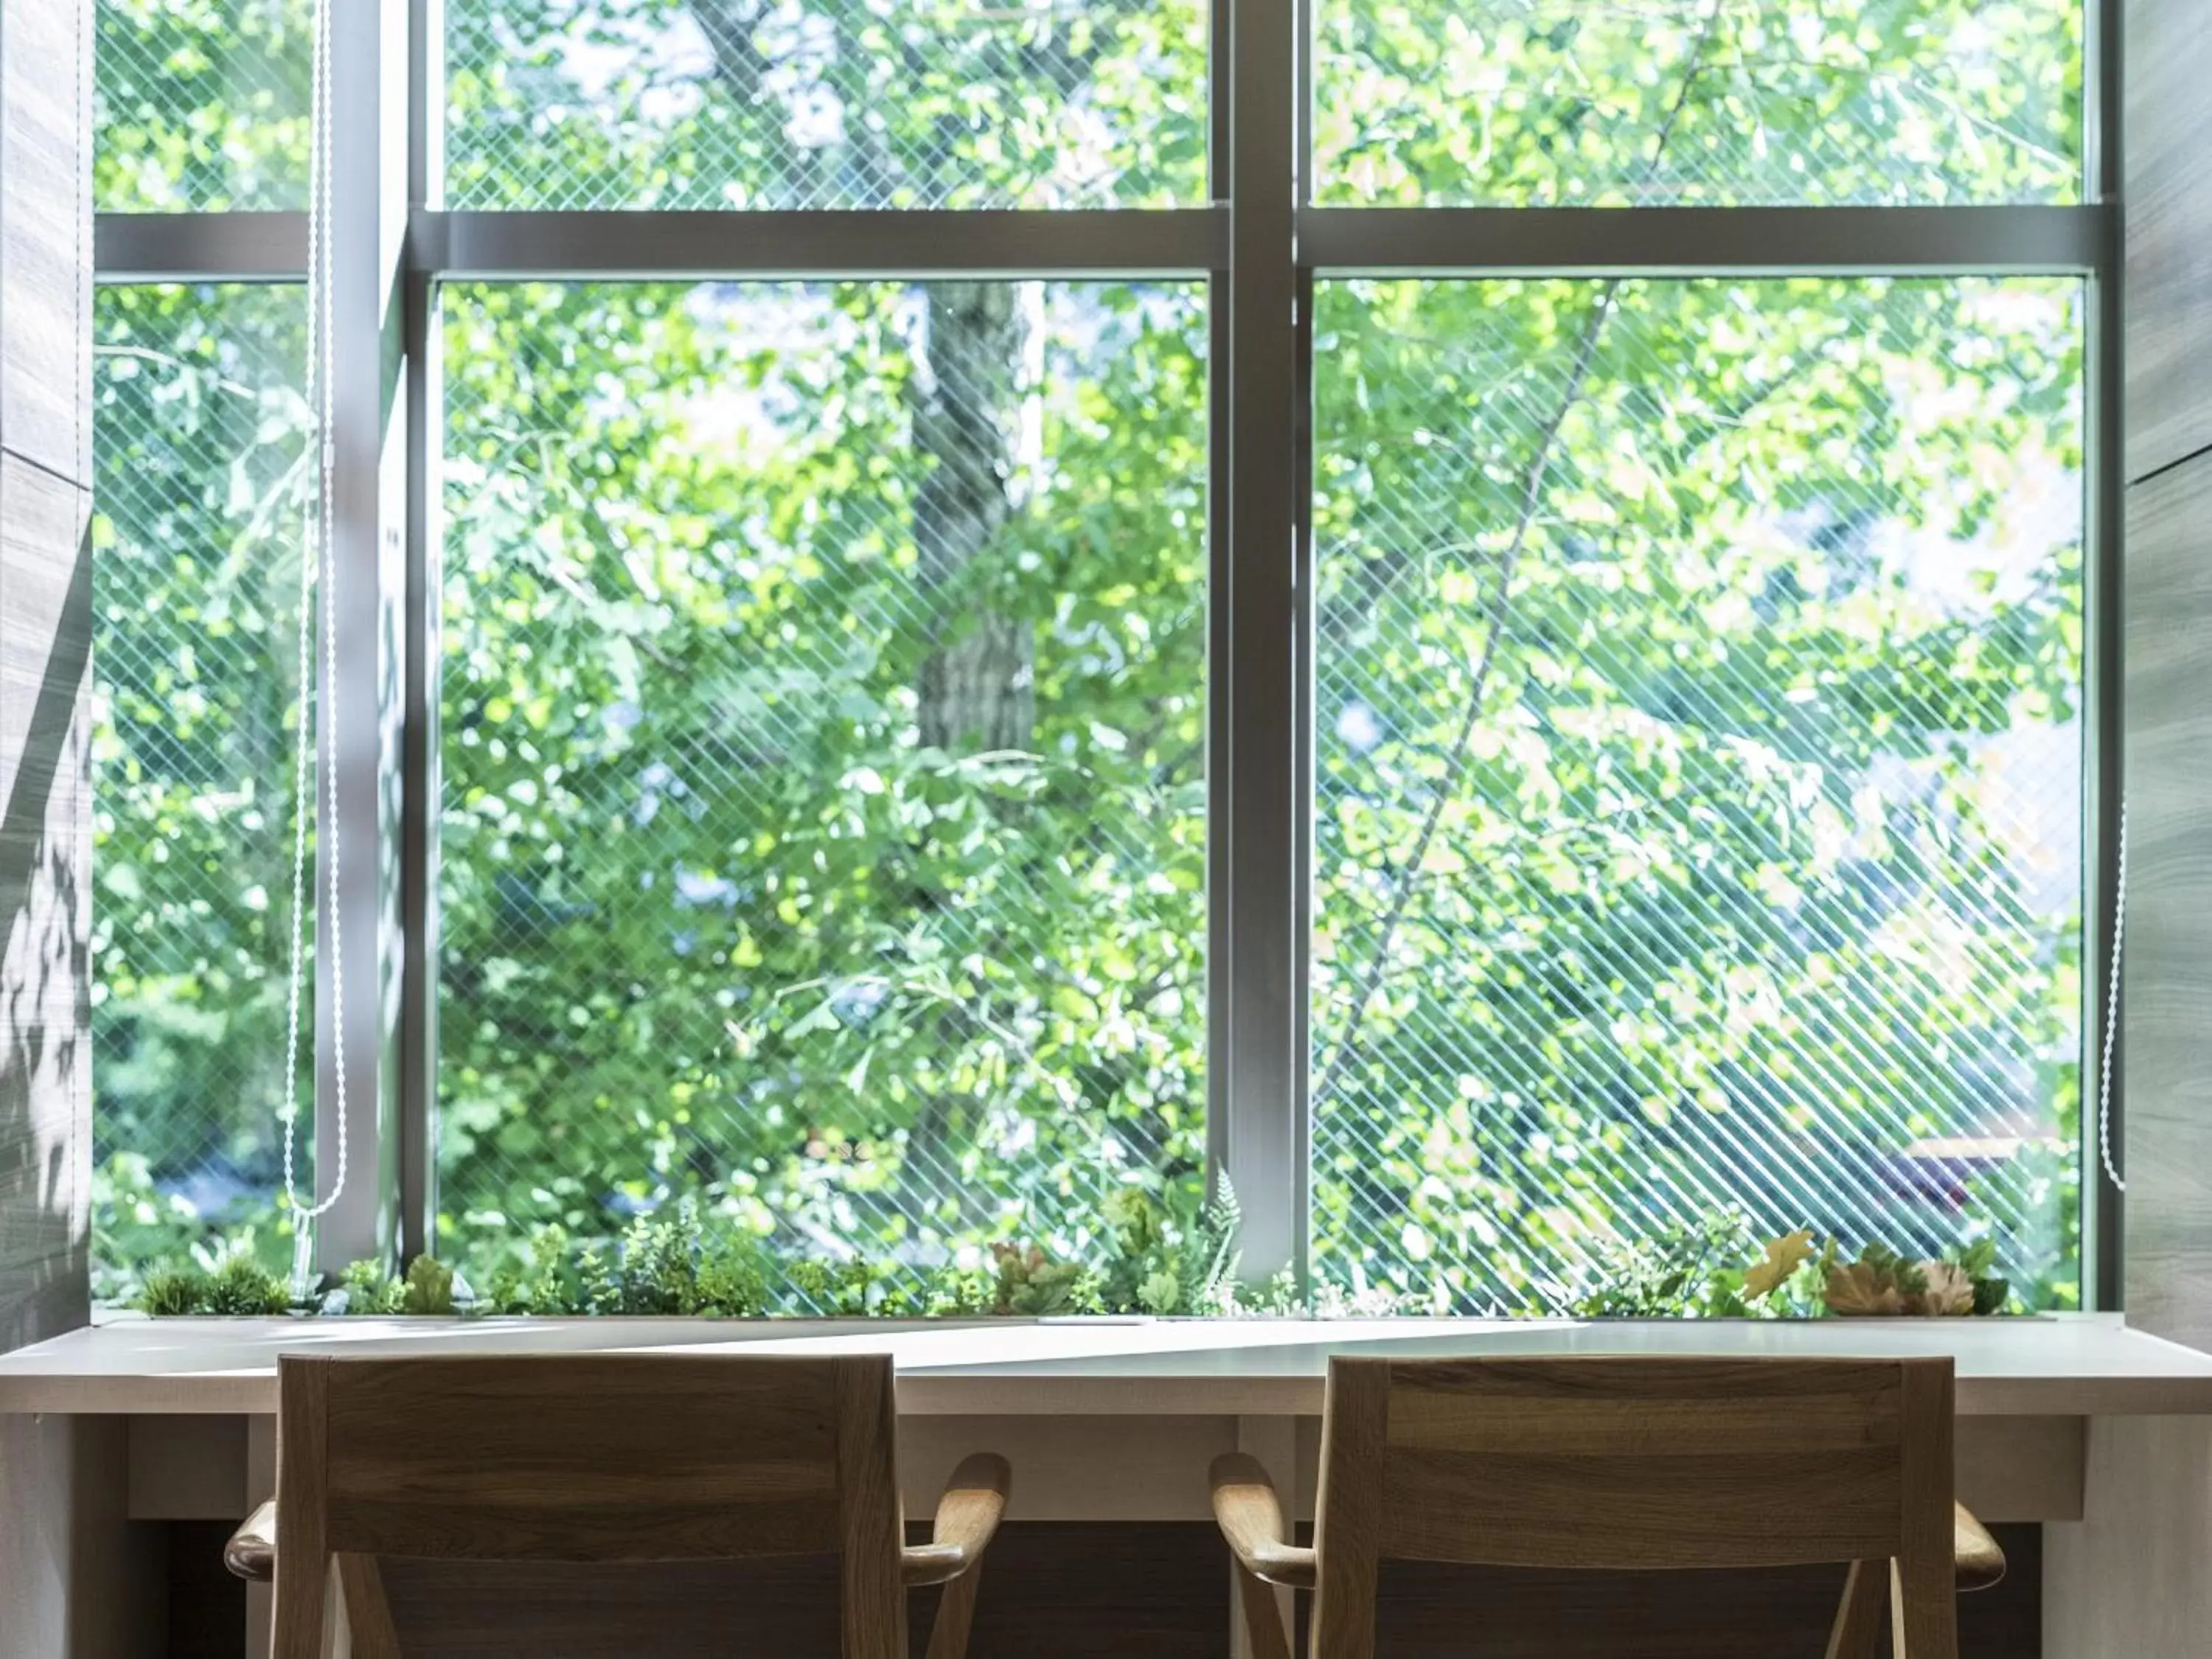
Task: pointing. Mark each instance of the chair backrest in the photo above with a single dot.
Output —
(585, 1459)
(1645, 1462)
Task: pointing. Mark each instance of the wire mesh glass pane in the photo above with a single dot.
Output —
(828, 104)
(201, 106)
(198, 419)
(1600, 103)
(1699, 772)
(824, 719)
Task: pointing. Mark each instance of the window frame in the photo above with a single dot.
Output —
(1260, 247)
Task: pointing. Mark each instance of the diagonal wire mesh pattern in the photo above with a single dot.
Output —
(198, 420)
(1698, 773)
(202, 107)
(823, 727)
(1565, 103)
(694, 104)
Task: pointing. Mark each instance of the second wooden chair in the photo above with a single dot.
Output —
(1621, 1464)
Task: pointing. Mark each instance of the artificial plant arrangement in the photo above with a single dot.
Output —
(426, 1289)
(239, 1286)
(1697, 1270)
(1165, 1253)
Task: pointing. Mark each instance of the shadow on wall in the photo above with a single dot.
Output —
(45, 852)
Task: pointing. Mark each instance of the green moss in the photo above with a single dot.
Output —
(173, 1293)
(243, 1286)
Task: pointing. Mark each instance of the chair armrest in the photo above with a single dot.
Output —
(252, 1552)
(1250, 1516)
(1978, 1562)
(967, 1518)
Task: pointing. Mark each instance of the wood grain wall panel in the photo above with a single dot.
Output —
(2167, 106)
(75, 1573)
(46, 234)
(2168, 990)
(71, 1561)
(45, 621)
(2126, 1582)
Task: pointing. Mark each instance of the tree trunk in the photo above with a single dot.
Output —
(976, 691)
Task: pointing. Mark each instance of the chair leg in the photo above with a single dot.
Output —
(1263, 1617)
(1924, 1609)
(956, 1613)
(1858, 1615)
(305, 1621)
(368, 1616)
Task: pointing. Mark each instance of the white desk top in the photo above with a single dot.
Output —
(2072, 1365)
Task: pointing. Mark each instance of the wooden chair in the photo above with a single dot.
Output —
(601, 1459)
(1622, 1463)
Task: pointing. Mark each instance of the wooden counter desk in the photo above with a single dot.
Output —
(1109, 1420)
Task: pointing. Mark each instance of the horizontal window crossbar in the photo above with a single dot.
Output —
(1493, 241)
(1174, 241)
(273, 246)
(200, 247)
(1701, 241)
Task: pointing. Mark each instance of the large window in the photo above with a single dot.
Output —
(1698, 674)
(196, 590)
(823, 708)
(1482, 618)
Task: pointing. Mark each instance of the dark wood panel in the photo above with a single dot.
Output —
(766, 1608)
(206, 1607)
(1097, 1591)
(2168, 969)
(1107, 1590)
(2167, 149)
(1050, 1590)
(1434, 1612)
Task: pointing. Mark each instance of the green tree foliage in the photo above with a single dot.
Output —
(202, 105)
(1694, 657)
(195, 597)
(822, 711)
(1603, 103)
(709, 898)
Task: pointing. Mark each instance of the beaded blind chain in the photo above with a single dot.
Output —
(317, 734)
(2113, 1009)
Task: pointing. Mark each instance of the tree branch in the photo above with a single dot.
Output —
(1409, 868)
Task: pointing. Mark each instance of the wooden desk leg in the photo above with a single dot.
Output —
(2130, 1580)
(1274, 1441)
(260, 1485)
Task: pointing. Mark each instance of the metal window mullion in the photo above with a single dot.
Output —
(419, 779)
(367, 188)
(1219, 730)
(1305, 664)
(2103, 1211)
(1256, 918)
